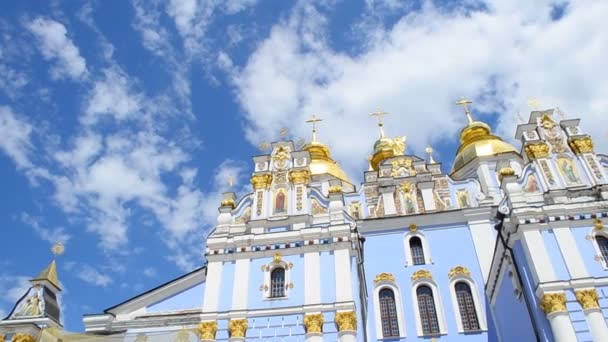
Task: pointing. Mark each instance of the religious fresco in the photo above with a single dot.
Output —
(531, 184)
(464, 198)
(317, 208)
(355, 210)
(280, 202)
(32, 304)
(245, 217)
(398, 204)
(568, 170)
(409, 202)
(441, 194)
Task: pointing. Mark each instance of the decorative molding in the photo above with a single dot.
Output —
(313, 323)
(336, 189)
(598, 224)
(582, 145)
(346, 321)
(553, 302)
(261, 181)
(384, 277)
(207, 330)
(23, 338)
(299, 176)
(588, 298)
(277, 258)
(237, 327)
(537, 150)
(422, 274)
(504, 172)
(459, 270)
(228, 203)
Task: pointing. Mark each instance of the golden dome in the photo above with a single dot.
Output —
(477, 140)
(321, 162)
(385, 148)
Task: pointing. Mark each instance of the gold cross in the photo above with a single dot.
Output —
(534, 103)
(465, 105)
(314, 121)
(379, 114)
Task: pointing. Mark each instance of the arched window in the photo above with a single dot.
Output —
(428, 313)
(277, 282)
(388, 313)
(602, 243)
(417, 251)
(466, 306)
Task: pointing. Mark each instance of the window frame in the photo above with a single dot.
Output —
(283, 285)
(439, 309)
(479, 310)
(391, 285)
(598, 251)
(268, 269)
(409, 260)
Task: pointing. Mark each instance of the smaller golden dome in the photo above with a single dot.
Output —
(477, 140)
(322, 163)
(385, 148)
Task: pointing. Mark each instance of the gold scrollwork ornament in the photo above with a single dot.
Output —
(384, 277)
(538, 150)
(459, 270)
(2, 338)
(346, 321)
(336, 189)
(553, 302)
(261, 181)
(299, 176)
(313, 323)
(598, 224)
(237, 327)
(207, 330)
(582, 145)
(23, 338)
(588, 298)
(422, 274)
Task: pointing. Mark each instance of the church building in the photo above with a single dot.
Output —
(508, 245)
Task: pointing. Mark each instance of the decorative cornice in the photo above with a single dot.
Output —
(537, 150)
(588, 298)
(207, 330)
(299, 176)
(261, 181)
(384, 277)
(346, 321)
(313, 323)
(553, 302)
(422, 274)
(237, 327)
(23, 338)
(459, 270)
(582, 145)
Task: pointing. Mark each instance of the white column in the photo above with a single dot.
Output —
(344, 290)
(212, 287)
(241, 282)
(572, 257)
(597, 324)
(347, 336)
(562, 328)
(389, 200)
(483, 237)
(537, 253)
(312, 282)
(314, 337)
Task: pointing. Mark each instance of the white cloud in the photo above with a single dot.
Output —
(150, 272)
(54, 44)
(92, 276)
(15, 133)
(55, 235)
(12, 288)
(417, 68)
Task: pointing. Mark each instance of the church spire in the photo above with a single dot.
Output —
(50, 272)
(379, 114)
(464, 103)
(314, 121)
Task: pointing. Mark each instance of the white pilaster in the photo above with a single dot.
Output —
(312, 282)
(212, 287)
(347, 336)
(483, 237)
(597, 324)
(562, 328)
(314, 337)
(241, 283)
(569, 249)
(426, 188)
(537, 253)
(389, 200)
(344, 290)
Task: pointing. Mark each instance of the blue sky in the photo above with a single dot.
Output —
(121, 121)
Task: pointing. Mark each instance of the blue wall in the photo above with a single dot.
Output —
(188, 299)
(557, 259)
(587, 251)
(384, 252)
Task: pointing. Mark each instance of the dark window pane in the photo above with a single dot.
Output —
(602, 242)
(417, 251)
(428, 314)
(468, 315)
(277, 283)
(388, 313)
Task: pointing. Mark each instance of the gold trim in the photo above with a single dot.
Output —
(384, 277)
(588, 298)
(346, 321)
(553, 302)
(421, 274)
(598, 224)
(336, 189)
(581, 145)
(228, 203)
(413, 227)
(2, 338)
(299, 176)
(207, 330)
(261, 181)
(277, 257)
(537, 150)
(237, 327)
(23, 338)
(459, 270)
(504, 172)
(313, 323)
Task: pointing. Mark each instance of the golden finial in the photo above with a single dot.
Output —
(314, 121)
(429, 151)
(465, 105)
(58, 249)
(264, 146)
(379, 114)
(534, 103)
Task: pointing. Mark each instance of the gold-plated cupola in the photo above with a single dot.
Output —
(385, 148)
(477, 140)
(321, 161)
